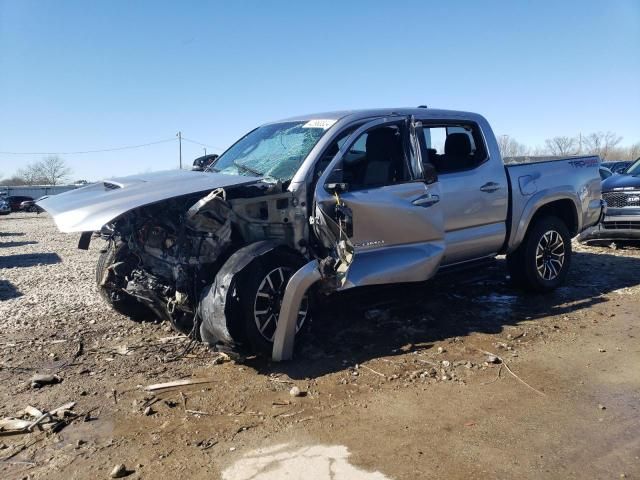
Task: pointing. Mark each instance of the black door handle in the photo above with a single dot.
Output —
(490, 187)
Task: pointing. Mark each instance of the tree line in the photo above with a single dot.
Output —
(604, 144)
(51, 170)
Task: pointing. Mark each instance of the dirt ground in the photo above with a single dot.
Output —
(397, 381)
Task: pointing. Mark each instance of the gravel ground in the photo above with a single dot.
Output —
(396, 382)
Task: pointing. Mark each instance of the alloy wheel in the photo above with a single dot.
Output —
(550, 255)
(268, 301)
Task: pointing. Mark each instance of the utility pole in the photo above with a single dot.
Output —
(580, 145)
(205, 151)
(179, 135)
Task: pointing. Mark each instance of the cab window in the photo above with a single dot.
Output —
(377, 158)
(453, 147)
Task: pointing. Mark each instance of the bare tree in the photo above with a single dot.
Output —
(15, 180)
(633, 152)
(562, 146)
(53, 170)
(29, 175)
(510, 147)
(601, 144)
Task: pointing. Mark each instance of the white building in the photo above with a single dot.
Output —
(36, 191)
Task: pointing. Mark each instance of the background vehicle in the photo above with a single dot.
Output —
(604, 172)
(370, 197)
(5, 208)
(617, 166)
(16, 200)
(622, 219)
(30, 205)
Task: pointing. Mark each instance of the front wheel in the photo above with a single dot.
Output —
(542, 261)
(111, 284)
(261, 290)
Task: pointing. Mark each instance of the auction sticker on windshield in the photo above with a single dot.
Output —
(319, 123)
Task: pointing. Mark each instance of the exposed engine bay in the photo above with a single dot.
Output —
(164, 255)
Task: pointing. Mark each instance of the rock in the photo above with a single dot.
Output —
(148, 411)
(446, 363)
(601, 350)
(296, 392)
(441, 350)
(38, 381)
(493, 359)
(601, 407)
(119, 471)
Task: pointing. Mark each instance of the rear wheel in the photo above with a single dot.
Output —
(111, 283)
(261, 290)
(542, 261)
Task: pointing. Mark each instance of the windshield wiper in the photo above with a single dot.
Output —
(248, 169)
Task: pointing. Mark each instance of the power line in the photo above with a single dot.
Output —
(127, 147)
(91, 151)
(201, 144)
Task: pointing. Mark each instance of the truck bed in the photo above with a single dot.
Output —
(541, 180)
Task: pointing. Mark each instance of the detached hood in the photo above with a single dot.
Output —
(620, 182)
(89, 208)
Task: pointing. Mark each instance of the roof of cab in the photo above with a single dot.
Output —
(382, 112)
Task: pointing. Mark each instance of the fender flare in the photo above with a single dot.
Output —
(217, 324)
(533, 205)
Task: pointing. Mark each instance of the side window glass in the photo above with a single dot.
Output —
(332, 150)
(375, 159)
(453, 148)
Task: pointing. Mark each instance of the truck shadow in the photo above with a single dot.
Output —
(11, 234)
(8, 290)
(17, 243)
(360, 325)
(29, 260)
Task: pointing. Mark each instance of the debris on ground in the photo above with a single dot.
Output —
(30, 417)
(37, 381)
(177, 383)
(120, 471)
(493, 359)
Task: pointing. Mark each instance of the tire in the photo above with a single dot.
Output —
(542, 260)
(260, 290)
(119, 300)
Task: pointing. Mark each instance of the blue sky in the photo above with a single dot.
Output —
(78, 75)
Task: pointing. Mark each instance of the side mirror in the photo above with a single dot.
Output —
(200, 163)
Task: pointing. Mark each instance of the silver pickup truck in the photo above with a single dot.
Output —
(323, 203)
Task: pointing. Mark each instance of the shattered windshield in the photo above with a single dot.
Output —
(272, 151)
